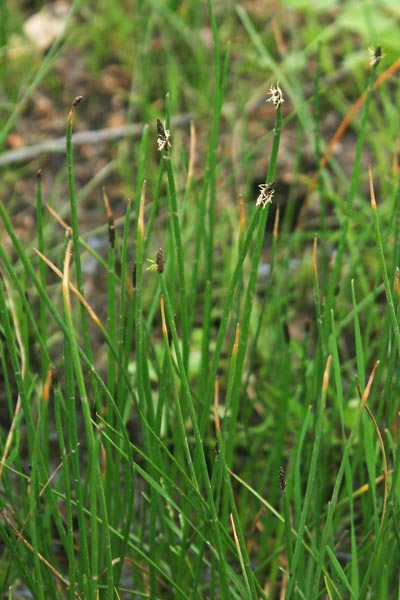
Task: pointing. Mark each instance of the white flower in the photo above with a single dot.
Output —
(275, 96)
(163, 136)
(266, 193)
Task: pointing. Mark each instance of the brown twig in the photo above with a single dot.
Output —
(57, 145)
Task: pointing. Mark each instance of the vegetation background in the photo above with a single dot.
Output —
(199, 397)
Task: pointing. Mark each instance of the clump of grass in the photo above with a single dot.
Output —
(210, 445)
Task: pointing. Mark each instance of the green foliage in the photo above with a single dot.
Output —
(216, 415)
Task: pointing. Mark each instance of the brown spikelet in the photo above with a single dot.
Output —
(282, 479)
(160, 261)
(77, 100)
(134, 275)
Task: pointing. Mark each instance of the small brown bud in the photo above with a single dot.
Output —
(111, 232)
(282, 479)
(160, 261)
(134, 275)
(77, 100)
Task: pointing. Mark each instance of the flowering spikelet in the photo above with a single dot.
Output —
(266, 193)
(163, 136)
(275, 96)
(375, 55)
(158, 264)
